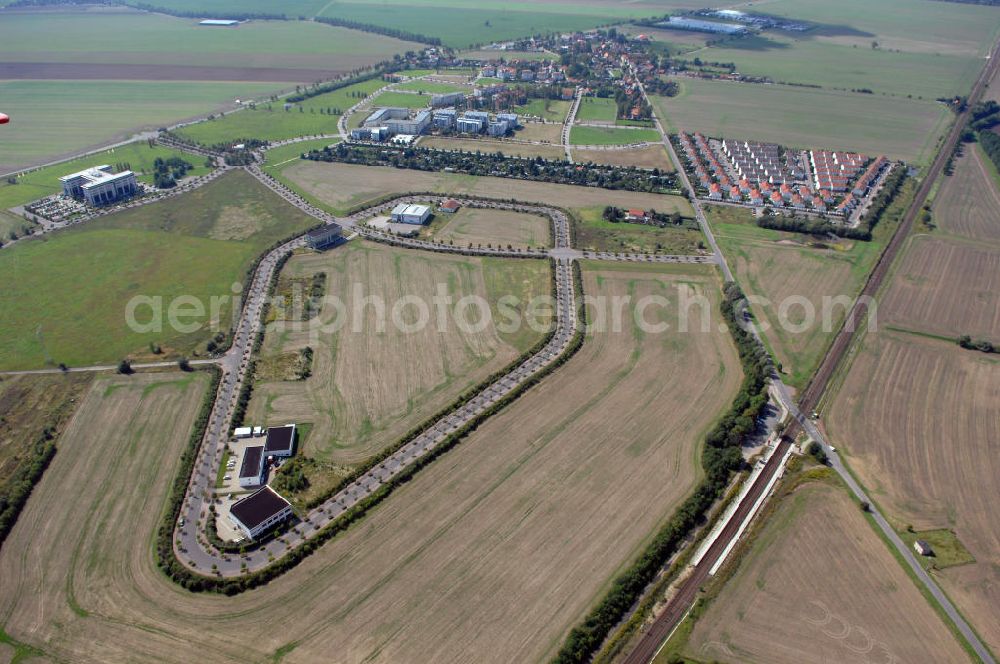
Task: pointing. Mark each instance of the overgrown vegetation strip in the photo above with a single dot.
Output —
(721, 456)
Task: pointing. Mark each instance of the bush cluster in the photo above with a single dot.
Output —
(15, 492)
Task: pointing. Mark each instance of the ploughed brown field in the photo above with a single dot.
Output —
(919, 419)
(819, 586)
(515, 532)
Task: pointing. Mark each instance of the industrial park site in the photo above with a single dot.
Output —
(563, 331)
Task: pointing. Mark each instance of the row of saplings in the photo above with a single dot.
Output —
(721, 456)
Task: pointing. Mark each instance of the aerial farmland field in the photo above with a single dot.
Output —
(819, 586)
(271, 121)
(256, 51)
(196, 245)
(612, 136)
(539, 506)
(967, 208)
(345, 186)
(915, 416)
(54, 118)
(651, 156)
(470, 226)
(807, 118)
(786, 268)
(353, 414)
(895, 47)
(499, 436)
(947, 287)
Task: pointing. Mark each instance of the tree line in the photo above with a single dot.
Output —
(991, 146)
(721, 456)
(405, 35)
(499, 165)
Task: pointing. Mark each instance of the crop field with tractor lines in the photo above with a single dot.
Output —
(356, 412)
(819, 586)
(540, 506)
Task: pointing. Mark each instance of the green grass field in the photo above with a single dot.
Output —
(460, 26)
(921, 48)
(271, 122)
(277, 157)
(806, 118)
(402, 100)
(611, 136)
(127, 36)
(52, 118)
(432, 87)
(597, 108)
(834, 65)
(66, 295)
(45, 181)
(594, 233)
(918, 26)
(779, 266)
(948, 550)
(553, 110)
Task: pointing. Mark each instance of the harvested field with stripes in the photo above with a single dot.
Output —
(820, 586)
(919, 418)
(945, 286)
(968, 207)
(372, 382)
(549, 499)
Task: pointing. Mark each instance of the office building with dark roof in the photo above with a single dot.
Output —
(280, 441)
(259, 512)
(252, 469)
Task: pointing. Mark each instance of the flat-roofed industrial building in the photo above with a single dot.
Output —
(411, 214)
(259, 512)
(252, 468)
(280, 441)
